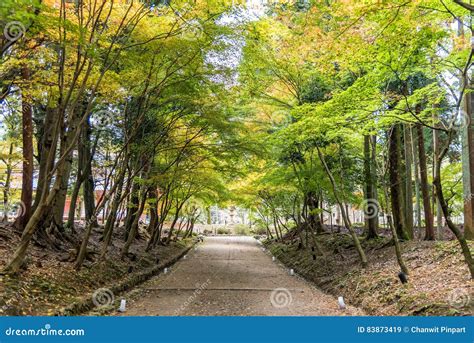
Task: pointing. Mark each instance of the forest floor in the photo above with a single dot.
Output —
(438, 283)
(49, 282)
(231, 276)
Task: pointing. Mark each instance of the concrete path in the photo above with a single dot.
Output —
(230, 276)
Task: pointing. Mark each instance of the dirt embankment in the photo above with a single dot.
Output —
(438, 284)
(49, 283)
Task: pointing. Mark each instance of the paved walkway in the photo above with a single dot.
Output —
(231, 276)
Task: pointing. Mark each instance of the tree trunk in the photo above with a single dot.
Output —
(454, 229)
(73, 203)
(27, 170)
(408, 184)
(175, 219)
(153, 197)
(398, 249)
(429, 229)
(57, 209)
(47, 147)
(134, 229)
(59, 202)
(416, 164)
(112, 217)
(373, 164)
(468, 161)
(395, 182)
(132, 208)
(371, 210)
(83, 162)
(437, 205)
(345, 218)
(313, 217)
(38, 215)
(6, 188)
(87, 156)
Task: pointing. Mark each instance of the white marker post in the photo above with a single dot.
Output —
(123, 305)
(292, 272)
(273, 258)
(165, 271)
(342, 305)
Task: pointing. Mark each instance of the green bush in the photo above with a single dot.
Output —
(222, 231)
(259, 230)
(242, 230)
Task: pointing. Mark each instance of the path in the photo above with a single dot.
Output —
(231, 276)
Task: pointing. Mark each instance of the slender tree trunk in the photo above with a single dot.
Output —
(275, 226)
(27, 171)
(454, 229)
(439, 215)
(82, 160)
(132, 208)
(173, 223)
(6, 188)
(373, 169)
(152, 197)
(468, 159)
(314, 218)
(345, 218)
(371, 210)
(73, 203)
(395, 182)
(60, 202)
(164, 207)
(46, 147)
(87, 157)
(416, 164)
(429, 229)
(58, 205)
(409, 186)
(112, 217)
(398, 248)
(134, 229)
(90, 224)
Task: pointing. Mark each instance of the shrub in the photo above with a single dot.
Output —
(222, 231)
(242, 230)
(259, 230)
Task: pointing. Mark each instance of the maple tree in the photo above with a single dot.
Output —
(296, 112)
